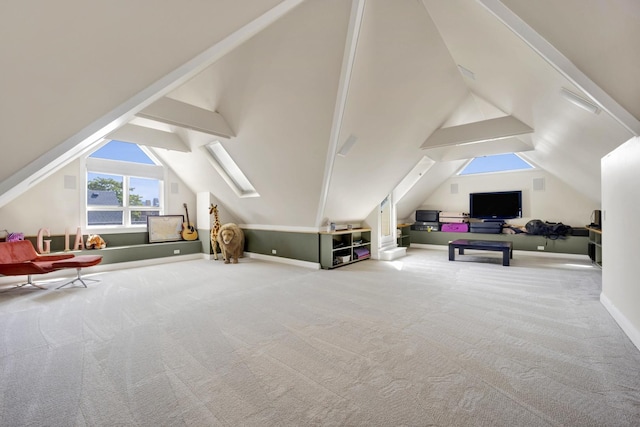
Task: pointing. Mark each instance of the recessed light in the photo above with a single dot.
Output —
(579, 101)
(467, 73)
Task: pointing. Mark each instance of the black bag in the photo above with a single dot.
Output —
(551, 230)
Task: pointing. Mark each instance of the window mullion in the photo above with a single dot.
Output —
(125, 201)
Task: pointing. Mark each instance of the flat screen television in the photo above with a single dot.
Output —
(496, 205)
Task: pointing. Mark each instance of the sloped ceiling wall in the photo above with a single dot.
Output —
(401, 66)
(277, 92)
(287, 96)
(403, 87)
(520, 82)
(599, 37)
(67, 63)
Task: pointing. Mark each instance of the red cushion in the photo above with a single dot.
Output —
(78, 261)
(20, 268)
(18, 258)
(19, 251)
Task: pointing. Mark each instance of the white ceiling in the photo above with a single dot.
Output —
(293, 80)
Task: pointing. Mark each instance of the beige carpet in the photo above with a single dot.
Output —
(414, 342)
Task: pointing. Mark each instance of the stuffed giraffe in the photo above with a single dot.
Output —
(215, 228)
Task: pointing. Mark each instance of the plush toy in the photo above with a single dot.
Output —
(231, 241)
(11, 237)
(94, 241)
(14, 237)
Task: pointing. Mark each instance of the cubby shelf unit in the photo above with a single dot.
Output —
(595, 246)
(337, 248)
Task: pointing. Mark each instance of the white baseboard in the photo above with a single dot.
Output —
(428, 246)
(622, 321)
(69, 272)
(282, 260)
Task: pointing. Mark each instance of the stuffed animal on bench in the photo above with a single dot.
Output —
(94, 241)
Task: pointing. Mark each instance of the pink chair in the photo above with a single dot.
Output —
(20, 258)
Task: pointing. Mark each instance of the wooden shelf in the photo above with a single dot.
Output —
(595, 245)
(338, 248)
(404, 238)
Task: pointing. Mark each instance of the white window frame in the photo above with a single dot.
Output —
(127, 170)
(387, 209)
(529, 169)
(229, 170)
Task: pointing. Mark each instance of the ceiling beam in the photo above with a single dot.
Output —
(469, 151)
(349, 56)
(149, 137)
(176, 113)
(477, 132)
(410, 179)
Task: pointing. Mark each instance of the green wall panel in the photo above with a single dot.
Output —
(287, 244)
(569, 245)
(125, 247)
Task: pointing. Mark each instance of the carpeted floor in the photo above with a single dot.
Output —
(418, 341)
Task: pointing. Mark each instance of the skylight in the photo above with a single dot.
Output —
(496, 163)
(230, 171)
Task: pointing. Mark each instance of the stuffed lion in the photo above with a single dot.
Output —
(231, 242)
(94, 241)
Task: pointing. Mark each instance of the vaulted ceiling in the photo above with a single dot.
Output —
(284, 84)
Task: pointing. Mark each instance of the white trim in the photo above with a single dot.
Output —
(229, 170)
(411, 178)
(119, 167)
(127, 170)
(627, 327)
(284, 228)
(562, 64)
(281, 260)
(531, 167)
(392, 253)
(353, 33)
(390, 241)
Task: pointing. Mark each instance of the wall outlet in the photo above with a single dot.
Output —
(541, 248)
(273, 251)
(176, 251)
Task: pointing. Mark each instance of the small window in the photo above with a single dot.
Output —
(496, 163)
(124, 186)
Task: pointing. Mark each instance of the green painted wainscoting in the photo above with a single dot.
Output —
(568, 245)
(287, 244)
(125, 247)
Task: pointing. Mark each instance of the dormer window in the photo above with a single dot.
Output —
(124, 185)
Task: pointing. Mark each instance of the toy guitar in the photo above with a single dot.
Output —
(188, 230)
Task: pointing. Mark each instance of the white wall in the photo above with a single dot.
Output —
(51, 204)
(621, 235)
(557, 202)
